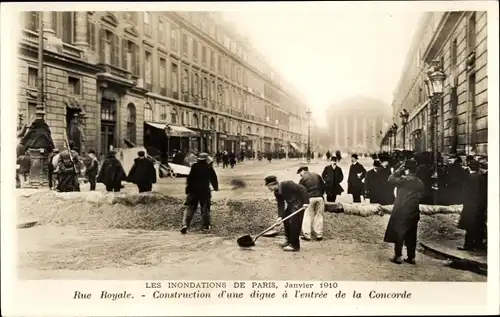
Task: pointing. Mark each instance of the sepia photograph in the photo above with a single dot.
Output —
(211, 144)
(163, 144)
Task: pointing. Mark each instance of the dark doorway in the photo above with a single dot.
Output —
(108, 125)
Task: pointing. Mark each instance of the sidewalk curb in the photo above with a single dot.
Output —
(458, 261)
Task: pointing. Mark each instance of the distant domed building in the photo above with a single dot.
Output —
(357, 124)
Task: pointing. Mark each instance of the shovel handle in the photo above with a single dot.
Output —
(280, 222)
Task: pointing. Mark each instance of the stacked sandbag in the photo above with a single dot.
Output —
(363, 210)
(334, 207)
(437, 209)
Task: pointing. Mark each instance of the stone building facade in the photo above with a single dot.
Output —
(113, 76)
(459, 41)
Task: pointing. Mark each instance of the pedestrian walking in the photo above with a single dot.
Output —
(357, 174)
(92, 170)
(405, 215)
(295, 197)
(312, 224)
(333, 176)
(68, 169)
(142, 173)
(473, 215)
(225, 160)
(232, 159)
(112, 173)
(198, 192)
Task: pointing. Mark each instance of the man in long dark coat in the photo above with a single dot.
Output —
(295, 196)
(142, 173)
(473, 216)
(333, 176)
(455, 178)
(424, 173)
(68, 168)
(403, 223)
(373, 184)
(198, 192)
(112, 173)
(357, 173)
(386, 189)
(225, 159)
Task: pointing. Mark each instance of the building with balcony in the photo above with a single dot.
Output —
(356, 124)
(459, 41)
(116, 76)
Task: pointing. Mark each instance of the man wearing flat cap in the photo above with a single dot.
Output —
(198, 192)
(357, 174)
(474, 212)
(405, 215)
(142, 173)
(295, 196)
(312, 224)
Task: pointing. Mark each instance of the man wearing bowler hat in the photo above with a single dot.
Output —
(357, 173)
(295, 196)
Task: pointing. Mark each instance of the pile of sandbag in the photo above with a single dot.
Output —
(363, 210)
(429, 209)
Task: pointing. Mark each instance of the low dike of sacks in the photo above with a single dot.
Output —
(230, 217)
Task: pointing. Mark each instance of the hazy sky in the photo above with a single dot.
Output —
(331, 56)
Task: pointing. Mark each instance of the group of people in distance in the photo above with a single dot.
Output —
(67, 165)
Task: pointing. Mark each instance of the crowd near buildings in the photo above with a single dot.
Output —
(147, 77)
(457, 40)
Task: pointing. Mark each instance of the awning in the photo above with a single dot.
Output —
(295, 146)
(175, 130)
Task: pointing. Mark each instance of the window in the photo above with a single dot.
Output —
(212, 90)
(31, 20)
(226, 67)
(91, 33)
(63, 25)
(108, 47)
(131, 120)
(204, 55)
(148, 69)
(161, 31)
(227, 93)
(184, 44)
(128, 56)
(108, 111)
(175, 88)
(148, 112)
(174, 117)
(212, 59)
(471, 37)
(233, 72)
(32, 77)
(173, 38)
(204, 92)
(147, 22)
(163, 74)
(221, 94)
(219, 63)
(74, 86)
(195, 84)
(185, 80)
(163, 113)
(238, 75)
(196, 122)
(195, 49)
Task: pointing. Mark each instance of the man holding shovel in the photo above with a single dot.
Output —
(296, 197)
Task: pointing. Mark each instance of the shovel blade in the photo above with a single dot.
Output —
(245, 241)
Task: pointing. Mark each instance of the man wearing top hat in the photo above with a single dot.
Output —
(373, 184)
(357, 174)
(295, 196)
(405, 215)
(333, 176)
(198, 192)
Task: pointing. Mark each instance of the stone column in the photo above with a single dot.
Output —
(81, 36)
(364, 133)
(48, 25)
(346, 134)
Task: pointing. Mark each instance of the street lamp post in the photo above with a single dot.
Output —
(168, 131)
(308, 135)
(394, 130)
(435, 90)
(404, 121)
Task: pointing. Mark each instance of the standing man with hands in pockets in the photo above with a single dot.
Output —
(295, 196)
(315, 212)
(357, 174)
